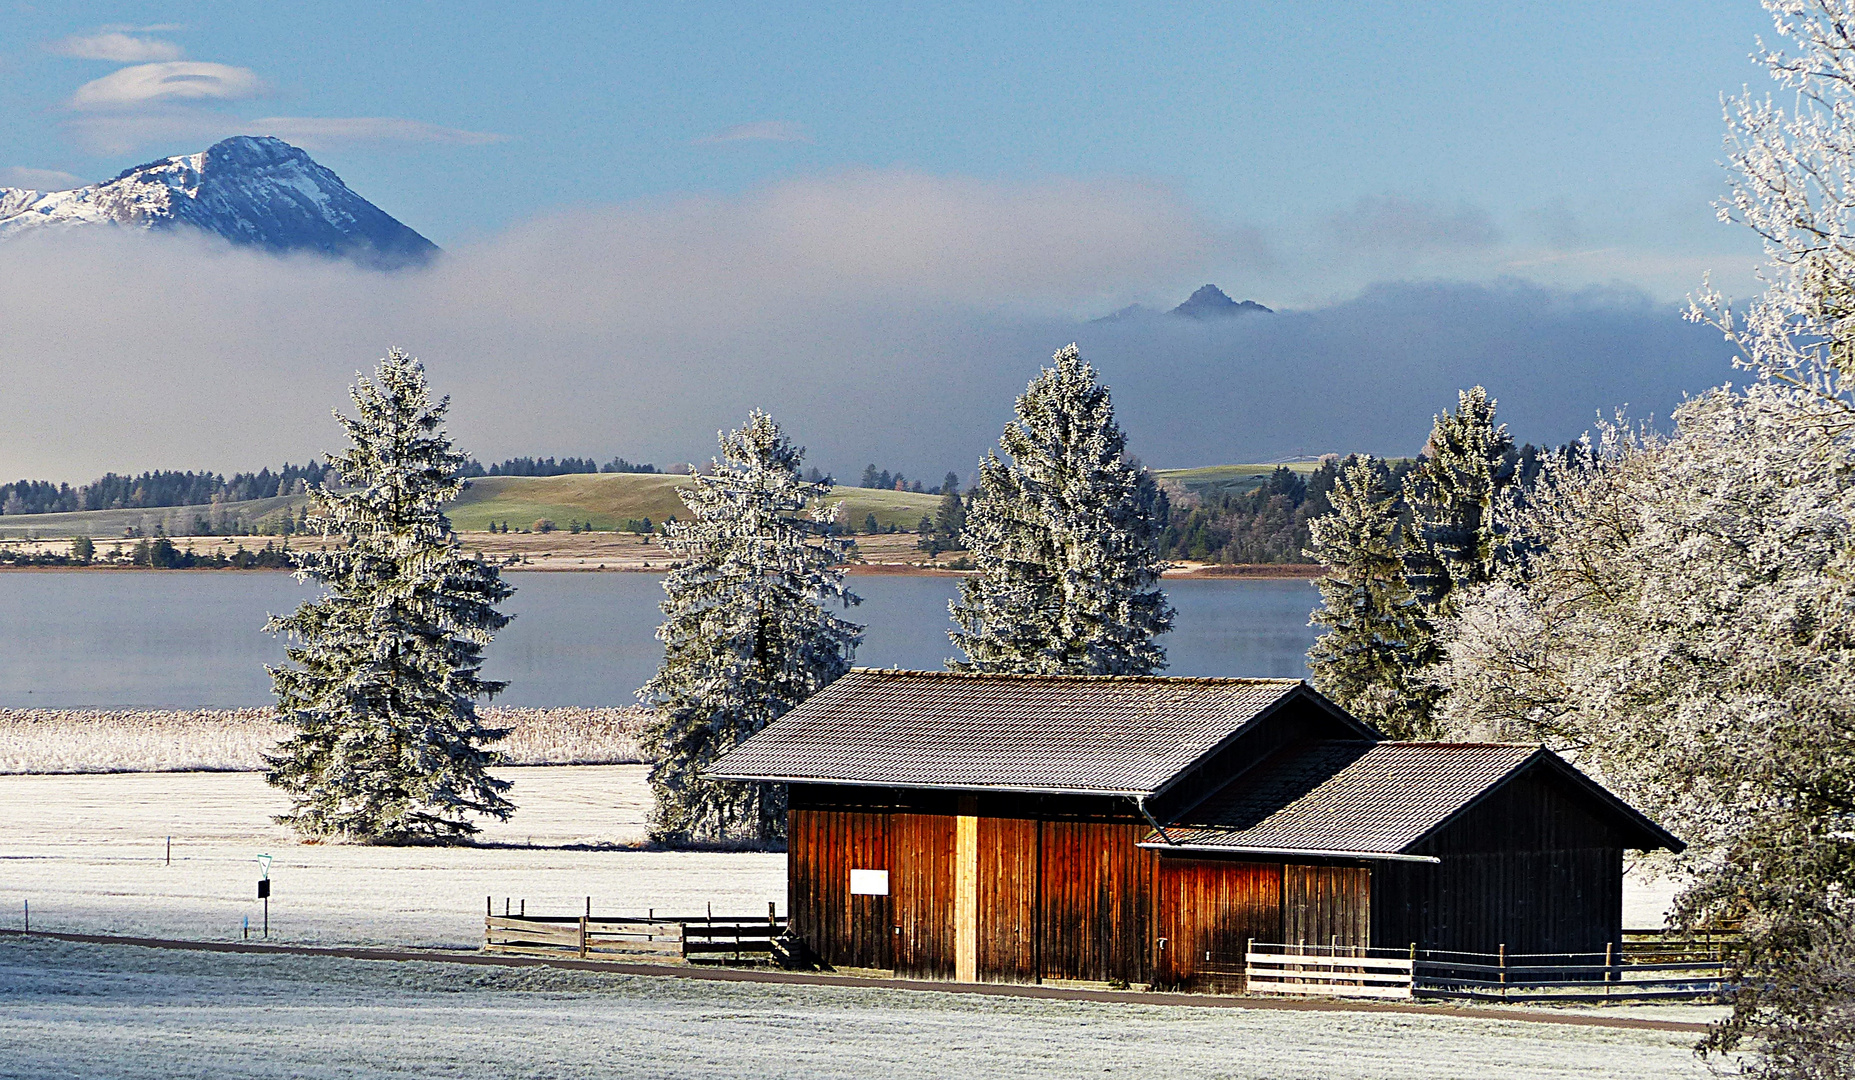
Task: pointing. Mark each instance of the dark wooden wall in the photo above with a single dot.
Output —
(1533, 866)
(1326, 905)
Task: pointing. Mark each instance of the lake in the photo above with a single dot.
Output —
(99, 639)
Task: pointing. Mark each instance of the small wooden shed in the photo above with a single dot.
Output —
(1144, 829)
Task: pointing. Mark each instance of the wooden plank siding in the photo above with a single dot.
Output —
(1326, 905)
(921, 877)
(823, 846)
(1533, 866)
(1006, 919)
(1208, 910)
(1097, 902)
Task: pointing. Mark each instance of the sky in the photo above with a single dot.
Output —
(879, 220)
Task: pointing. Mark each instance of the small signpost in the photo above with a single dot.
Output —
(264, 890)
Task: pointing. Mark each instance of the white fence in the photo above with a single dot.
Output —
(1326, 970)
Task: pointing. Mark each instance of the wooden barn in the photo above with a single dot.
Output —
(1142, 830)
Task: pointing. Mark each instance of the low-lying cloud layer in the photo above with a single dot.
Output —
(882, 316)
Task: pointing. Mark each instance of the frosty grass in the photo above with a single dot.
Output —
(234, 740)
(79, 1010)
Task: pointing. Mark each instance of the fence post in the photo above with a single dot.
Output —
(1503, 969)
(1609, 954)
(582, 937)
(589, 907)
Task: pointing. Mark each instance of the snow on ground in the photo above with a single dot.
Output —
(87, 851)
(82, 1010)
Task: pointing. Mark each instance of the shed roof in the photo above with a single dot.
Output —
(1371, 800)
(1086, 734)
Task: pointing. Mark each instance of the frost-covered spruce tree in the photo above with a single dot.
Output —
(1375, 635)
(1467, 464)
(1065, 540)
(382, 682)
(747, 634)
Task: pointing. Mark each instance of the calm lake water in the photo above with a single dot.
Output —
(89, 639)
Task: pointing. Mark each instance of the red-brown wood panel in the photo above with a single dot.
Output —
(822, 847)
(1007, 925)
(1207, 913)
(922, 880)
(1097, 887)
(1327, 905)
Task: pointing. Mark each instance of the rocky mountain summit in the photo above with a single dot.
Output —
(1208, 303)
(253, 191)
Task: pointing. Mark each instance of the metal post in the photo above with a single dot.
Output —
(170, 851)
(267, 916)
(488, 911)
(28, 916)
(589, 907)
(523, 912)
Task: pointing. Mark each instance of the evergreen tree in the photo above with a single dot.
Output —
(746, 634)
(871, 478)
(382, 683)
(1467, 464)
(1375, 634)
(1065, 540)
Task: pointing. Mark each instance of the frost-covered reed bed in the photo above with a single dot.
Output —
(234, 740)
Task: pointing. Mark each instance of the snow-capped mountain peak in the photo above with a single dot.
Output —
(251, 190)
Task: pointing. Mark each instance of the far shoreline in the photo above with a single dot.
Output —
(1208, 572)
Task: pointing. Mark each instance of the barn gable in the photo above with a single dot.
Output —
(1397, 801)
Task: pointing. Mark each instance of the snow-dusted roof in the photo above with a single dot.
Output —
(1114, 735)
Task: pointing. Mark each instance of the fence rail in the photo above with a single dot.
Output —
(1645, 966)
(702, 938)
(1291, 969)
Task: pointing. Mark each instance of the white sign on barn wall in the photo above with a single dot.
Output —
(869, 883)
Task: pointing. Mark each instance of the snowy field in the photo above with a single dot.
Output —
(187, 740)
(86, 1011)
(88, 853)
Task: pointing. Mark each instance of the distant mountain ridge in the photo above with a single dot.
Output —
(1209, 302)
(252, 190)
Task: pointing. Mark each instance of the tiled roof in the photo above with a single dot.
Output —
(1079, 733)
(1346, 797)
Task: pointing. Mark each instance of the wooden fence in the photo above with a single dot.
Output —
(698, 939)
(1649, 965)
(1325, 970)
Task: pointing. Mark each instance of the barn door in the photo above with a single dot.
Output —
(923, 883)
(1208, 912)
(1007, 900)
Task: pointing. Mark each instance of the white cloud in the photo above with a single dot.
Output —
(167, 84)
(759, 131)
(114, 45)
(842, 303)
(327, 132)
(19, 176)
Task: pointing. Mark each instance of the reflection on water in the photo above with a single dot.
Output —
(105, 639)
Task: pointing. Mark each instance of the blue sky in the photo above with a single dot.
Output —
(1341, 143)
